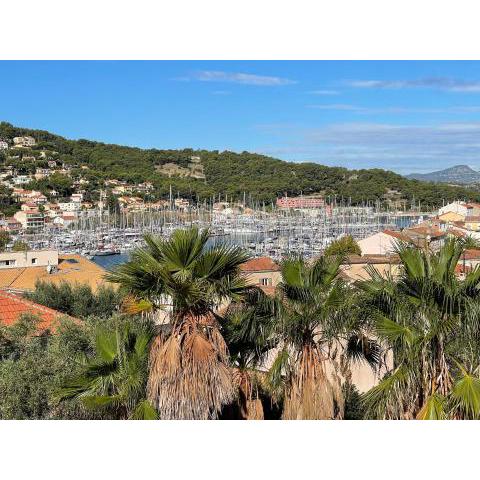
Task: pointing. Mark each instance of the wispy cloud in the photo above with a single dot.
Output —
(441, 83)
(393, 109)
(235, 77)
(324, 92)
(403, 148)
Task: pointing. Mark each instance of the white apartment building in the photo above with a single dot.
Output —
(21, 179)
(69, 206)
(24, 141)
(461, 208)
(31, 258)
(31, 219)
(76, 197)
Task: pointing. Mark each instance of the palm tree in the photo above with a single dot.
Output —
(113, 382)
(247, 327)
(186, 281)
(312, 327)
(429, 320)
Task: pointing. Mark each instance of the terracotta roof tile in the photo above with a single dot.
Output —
(397, 234)
(260, 264)
(12, 306)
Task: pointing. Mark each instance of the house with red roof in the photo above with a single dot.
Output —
(262, 271)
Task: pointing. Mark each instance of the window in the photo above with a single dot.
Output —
(34, 261)
(266, 282)
(7, 263)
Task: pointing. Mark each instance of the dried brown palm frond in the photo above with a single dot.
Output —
(249, 403)
(310, 393)
(189, 378)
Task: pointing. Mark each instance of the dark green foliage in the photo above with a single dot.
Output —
(8, 205)
(354, 409)
(343, 246)
(33, 367)
(4, 239)
(19, 246)
(113, 380)
(77, 300)
(62, 184)
(262, 178)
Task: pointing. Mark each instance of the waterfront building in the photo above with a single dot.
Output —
(312, 201)
(462, 208)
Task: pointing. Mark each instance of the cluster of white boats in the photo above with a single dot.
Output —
(273, 233)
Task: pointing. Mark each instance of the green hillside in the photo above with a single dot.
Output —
(262, 178)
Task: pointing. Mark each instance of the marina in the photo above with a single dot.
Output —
(108, 237)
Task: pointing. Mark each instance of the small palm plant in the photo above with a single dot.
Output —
(187, 282)
(113, 382)
(429, 320)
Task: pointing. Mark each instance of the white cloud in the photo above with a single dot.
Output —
(394, 110)
(403, 148)
(241, 78)
(441, 83)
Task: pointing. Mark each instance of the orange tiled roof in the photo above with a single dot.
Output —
(472, 218)
(399, 235)
(12, 306)
(260, 264)
(425, 230)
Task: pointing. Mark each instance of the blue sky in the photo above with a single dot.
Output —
(404, 116)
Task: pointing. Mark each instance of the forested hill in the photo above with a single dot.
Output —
(261, 177)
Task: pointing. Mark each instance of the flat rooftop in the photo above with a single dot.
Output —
(71, 268)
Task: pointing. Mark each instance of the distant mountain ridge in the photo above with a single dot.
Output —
(459, 174)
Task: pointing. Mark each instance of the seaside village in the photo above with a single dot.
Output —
(22, 268)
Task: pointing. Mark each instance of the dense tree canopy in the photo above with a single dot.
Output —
(260, 177)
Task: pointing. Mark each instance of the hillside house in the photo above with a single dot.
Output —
(31, 219)
(24, 141)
